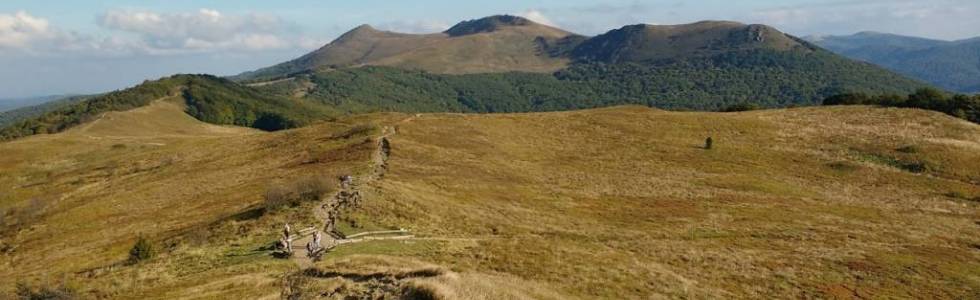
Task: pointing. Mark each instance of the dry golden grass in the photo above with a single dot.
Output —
(194, 189)
(624, 202)
(845, 202)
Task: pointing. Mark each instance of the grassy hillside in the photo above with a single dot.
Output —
(625, 203)
(488, 45)
(73, 203)
(208, 98)
(611, 203)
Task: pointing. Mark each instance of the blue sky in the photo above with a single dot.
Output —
(55, 47)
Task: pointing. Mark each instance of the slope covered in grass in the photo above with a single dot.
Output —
(73, 203)
(611, 203)
(626, 203)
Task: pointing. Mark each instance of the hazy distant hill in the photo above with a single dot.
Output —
(38, 107)
(954, 65)
(15, 103)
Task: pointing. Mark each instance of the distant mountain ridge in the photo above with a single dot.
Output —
(508, 64)
(646, 43)
(493, 44)
(506, 43)
(953, 65)
(22, 102)
(511, 64)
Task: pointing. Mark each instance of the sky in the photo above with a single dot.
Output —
(77, 47)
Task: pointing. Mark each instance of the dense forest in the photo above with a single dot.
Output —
(763, 78)
(960, 106)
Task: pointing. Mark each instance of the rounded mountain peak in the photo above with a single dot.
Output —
(488, 24)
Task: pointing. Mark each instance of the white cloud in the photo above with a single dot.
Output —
(203, 30)
(151, 33)
(537, 16)
(20, 29)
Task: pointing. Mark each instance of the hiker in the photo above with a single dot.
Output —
(310, 250)
(316, 239)
(287, 245)
(285, 231)
(345, 181)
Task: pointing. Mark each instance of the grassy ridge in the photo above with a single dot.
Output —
(625, 203)
(208, 98)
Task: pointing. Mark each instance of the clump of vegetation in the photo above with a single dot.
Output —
(906, 165)
(960, 106)
(741, 107)
(44, 292)
(361, 129)
(708, 143)
(141, 251)
(221, 101)
(15, 218)
(293, 193)
(842, 166)
(911, 149)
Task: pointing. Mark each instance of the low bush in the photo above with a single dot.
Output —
(141, 251)
(293, 193)
(358, 130)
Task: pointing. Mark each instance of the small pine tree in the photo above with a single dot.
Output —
(141, 251)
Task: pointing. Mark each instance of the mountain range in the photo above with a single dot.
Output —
(952, 65)
(282, 184)
(510, 64)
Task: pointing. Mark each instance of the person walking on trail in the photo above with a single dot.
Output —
(316, 239)
(287, 245)
(312, 249)
(286, 240)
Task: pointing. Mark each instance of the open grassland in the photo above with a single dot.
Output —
(74, 203)
(846, 202)
(850, 202)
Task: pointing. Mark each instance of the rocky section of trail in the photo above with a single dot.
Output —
(347, 198)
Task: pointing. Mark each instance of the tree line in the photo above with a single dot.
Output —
(961, 106)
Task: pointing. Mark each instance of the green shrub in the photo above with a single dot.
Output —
(741, 107)
(294, 193)
(361, 129)
(908, 149)
(141, 251)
